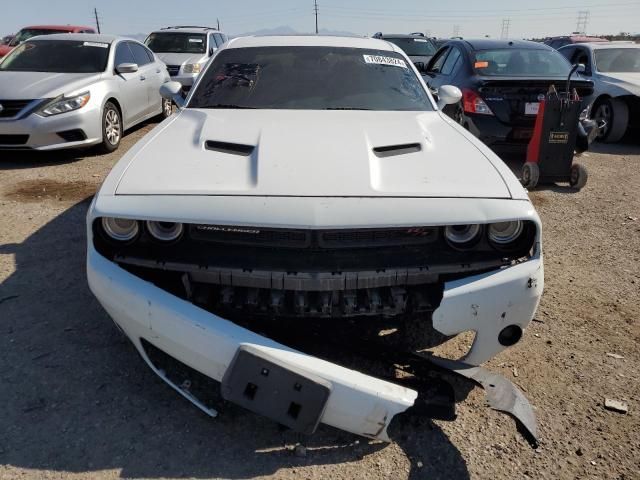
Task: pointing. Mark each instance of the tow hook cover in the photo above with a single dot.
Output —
(287, 395)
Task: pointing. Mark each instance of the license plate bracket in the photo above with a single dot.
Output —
(287, 395)
(531, 108)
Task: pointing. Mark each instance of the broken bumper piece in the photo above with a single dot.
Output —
(250, 365)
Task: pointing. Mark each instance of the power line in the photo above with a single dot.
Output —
(505, 28)
(583, 20)
(95, 13)
(315, 10)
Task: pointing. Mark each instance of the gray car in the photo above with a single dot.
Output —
(614, 68)
(185, 50)
(76, 90)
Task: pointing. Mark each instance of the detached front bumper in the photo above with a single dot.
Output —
(358, 403)
(66, 130)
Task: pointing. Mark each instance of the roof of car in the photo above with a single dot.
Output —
(401, 35)
(85, 37)
(489, 44)
(607, 45)
(59, 27)
(187, 29)
(311, 41)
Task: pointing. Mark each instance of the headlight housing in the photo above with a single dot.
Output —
(120, 229)
(165, 231)
(505, 233)
(462, 236)
(65, 104)
(192, 68)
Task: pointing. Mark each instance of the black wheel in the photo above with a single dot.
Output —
(167, 108)
(530, 175)
(614, 113)
(111, 127)
(578, 176)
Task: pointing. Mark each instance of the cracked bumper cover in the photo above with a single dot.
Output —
(358, 403)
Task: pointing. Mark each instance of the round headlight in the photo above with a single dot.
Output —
(120, 229)
(165, 231)
(504, 233)
(461, 235)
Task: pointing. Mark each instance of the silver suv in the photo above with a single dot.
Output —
(185, 50)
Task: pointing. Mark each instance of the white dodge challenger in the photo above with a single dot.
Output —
(304, 180)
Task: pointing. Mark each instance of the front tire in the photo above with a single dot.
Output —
(615, 113)
(111, 127)
(167, 108)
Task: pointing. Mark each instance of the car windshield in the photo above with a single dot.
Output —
(618, 59)
(176, 42)
(59, 56)
(310, 78)
(521, 62)
(415, 47)
(26, 33)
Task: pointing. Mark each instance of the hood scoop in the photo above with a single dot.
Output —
(230, 148)
(393, 150)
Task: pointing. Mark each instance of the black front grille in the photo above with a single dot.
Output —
(11, 108)
(13, 139)
(319, 239)
(173, 70)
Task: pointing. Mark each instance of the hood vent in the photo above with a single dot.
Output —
(230, 148)
(392, 150)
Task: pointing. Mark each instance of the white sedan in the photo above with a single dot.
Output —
(305, 180)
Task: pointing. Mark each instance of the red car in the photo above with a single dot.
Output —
(28, 32)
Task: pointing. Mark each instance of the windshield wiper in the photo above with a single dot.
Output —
(227, 105)
(346, 108)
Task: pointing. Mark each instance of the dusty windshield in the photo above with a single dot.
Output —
(414, 47)
(57, 56)
(176, 42)
(524, 62)
(310, 78)
(618, 60)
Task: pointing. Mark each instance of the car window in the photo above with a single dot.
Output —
(176, 42)
(123, 54)
(451, 61)
(310, 78)
(618, 59)
(219, 39)
(521, 62)
(438, 60)
(139, 53)
(418, 47)
(57, 56)
(581, 55)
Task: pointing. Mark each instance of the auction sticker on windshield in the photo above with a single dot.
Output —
(380, 60)
(96, 44)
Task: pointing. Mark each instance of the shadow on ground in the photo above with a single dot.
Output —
(77, 398)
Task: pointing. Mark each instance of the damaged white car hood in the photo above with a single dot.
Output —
(311, 153)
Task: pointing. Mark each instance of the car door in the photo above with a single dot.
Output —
(149, 74)
(133, 91)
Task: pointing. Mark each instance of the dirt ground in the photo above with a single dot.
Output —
(76, 401)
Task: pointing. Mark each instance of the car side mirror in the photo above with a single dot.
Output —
(127, 68)
(448, 95)
(582, 69)
(420, 66)
(172, 91)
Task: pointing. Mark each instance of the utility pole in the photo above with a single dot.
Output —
(95, 12)
(505, 28)
(315, 9)
(583, 21)
(218, 20)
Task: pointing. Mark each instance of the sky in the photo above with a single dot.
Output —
(469, 18)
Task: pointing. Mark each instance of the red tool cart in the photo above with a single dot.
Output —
(550, 155)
